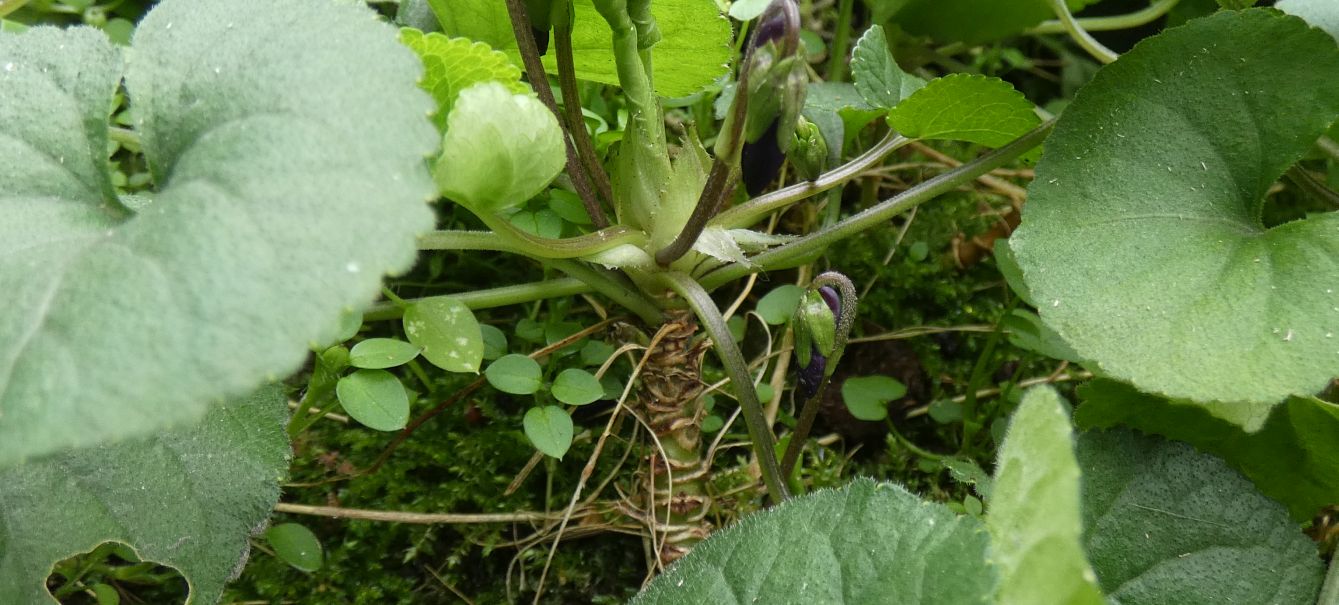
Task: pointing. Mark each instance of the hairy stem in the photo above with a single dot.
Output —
(1312, 186)
(506, 237)
(792, 252)
(1081, 36)
(737, 369)
(755, 209)
(539, 81)
(576, 123)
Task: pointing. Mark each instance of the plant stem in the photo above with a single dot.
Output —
(539, 81)
(492, 297)
(737, 369)
(418, 518)
(872, 217)
(1112, 22)
(841, 38)
(576, 123)
(969, 421)
(506, 237)
(1080, 35)
(616, 287)
(752, 211)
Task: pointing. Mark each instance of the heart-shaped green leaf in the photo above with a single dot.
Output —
(296, 545)
(447, 331)
(1164, 524)
(867, 397)
(287, 142)
(189, 498)
(374, 398)
(867, 542)
(1142, 241)
(516, 374)
(549, 429)
(1034, 521)
(577, 387)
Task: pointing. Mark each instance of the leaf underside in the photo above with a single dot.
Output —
(278, 133)
(188, 498)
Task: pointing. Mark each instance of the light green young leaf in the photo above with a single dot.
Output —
(1164, 523)
(1319, 13)
(577, 387)
(454, 64)
(1035, 523)
(877, 76)
(500, 149)
(378, 353)
(777, 307)
(1142, 240)
(694, 51)
(974, 21)
(867, 397)
(188, 498)
(1289, 455)
(287, 141)
(745, 10)
(867, 542)
(447, 331)
(375, 398)
(965, 107)
(296, 545)
(549, 428)
(515, 374)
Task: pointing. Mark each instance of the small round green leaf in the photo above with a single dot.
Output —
(867, 397)
(1142, 240)
(577, 387)
(378, 353)
(374, 398)
(596, 352)
(296, 545)
(515, 374)
(106, 594)
(549, 428)
(447, 331)
(777, 306)
(500, 149)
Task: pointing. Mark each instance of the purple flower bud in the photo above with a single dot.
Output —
(760, 161)
(812, 375)
(833, 299)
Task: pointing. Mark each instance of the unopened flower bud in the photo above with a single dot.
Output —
(772, 88)
(810, 152)
(815, 337)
